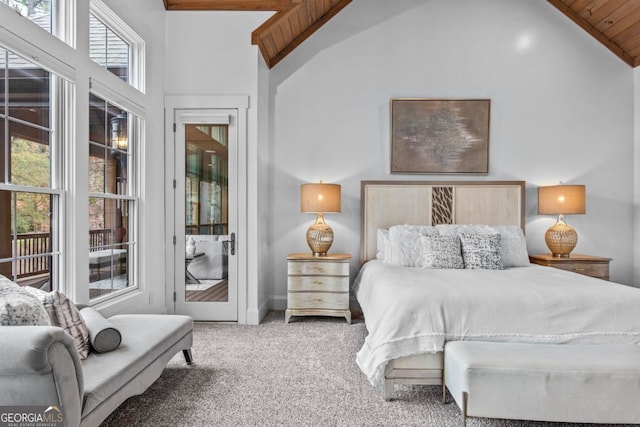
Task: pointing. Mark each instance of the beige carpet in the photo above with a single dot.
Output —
(300, 374)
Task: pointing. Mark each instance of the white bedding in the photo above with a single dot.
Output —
(412, 310)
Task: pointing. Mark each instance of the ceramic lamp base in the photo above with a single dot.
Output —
(561, 239)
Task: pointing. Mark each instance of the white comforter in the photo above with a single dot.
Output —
(412, 310)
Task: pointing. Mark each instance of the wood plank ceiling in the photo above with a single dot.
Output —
(615, 23)
(293, 22)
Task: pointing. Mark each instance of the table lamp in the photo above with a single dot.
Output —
(320, 199)
(561, 200)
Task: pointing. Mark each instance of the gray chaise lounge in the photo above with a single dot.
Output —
(39, 365)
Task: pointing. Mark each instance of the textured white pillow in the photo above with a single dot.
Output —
(18, 307)
(513, 246)
(405, 245)
(481, 251)
(448, 229)
(382, 241)
(442, 252)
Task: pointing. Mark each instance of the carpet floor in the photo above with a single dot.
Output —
(275, 374)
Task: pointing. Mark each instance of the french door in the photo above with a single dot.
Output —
(205, 214)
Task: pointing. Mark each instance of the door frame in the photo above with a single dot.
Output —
(195, 102)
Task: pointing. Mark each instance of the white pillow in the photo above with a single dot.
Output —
(405, 245)
(442, 252)
(513, 246)
(382, 241)
(18, 307)
(448, 229)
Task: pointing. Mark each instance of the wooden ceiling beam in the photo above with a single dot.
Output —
(597, 34)
(247, 5)
(261, 32)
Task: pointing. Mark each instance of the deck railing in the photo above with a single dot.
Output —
(29, 245)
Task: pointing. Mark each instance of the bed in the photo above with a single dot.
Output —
(411, 312)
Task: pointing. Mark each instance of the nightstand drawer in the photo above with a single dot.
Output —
(318, 283)
(320, 268)
(311, 300)
(593, 270)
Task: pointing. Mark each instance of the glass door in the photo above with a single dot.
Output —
(205, 215)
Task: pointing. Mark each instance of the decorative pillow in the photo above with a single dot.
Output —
(405, 245)
(448, 229)
(382, 239)
(442, 252)
(481, 251)
(103, 336)
(513, 246)
(63, 313)
(18, 307)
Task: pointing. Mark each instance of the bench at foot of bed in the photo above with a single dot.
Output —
(544, 382)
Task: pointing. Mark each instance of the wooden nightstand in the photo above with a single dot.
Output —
(318, 286)
(588, 265)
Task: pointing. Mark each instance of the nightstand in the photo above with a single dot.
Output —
(318, 286)
(588, 265)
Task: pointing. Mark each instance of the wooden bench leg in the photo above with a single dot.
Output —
(187, 356)
(465, 399)
(444, 390)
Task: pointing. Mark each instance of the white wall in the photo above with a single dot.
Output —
(562, 110)
(210, 53)
(636, 180)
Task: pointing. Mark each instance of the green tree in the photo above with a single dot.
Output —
(30, 165)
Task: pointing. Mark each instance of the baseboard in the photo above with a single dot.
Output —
(278, 302)
(255, 316)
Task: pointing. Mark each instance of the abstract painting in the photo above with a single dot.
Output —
(440, 136)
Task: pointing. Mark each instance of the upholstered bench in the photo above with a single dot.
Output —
(544, 382)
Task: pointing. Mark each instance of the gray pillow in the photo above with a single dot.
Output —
(103, 336)
(442, 252)
(481, 251)
(513, 246)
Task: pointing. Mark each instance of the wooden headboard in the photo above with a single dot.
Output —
(387, 203)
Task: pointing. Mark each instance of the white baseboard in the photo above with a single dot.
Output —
(255, 316)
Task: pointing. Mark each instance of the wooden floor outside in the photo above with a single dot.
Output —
(218, 292)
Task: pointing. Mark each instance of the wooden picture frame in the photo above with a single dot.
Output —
(440, 136)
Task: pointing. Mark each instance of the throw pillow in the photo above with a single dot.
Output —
(65, 314)
(513, 246)
(382, 240)
(18, 307)
(481, 251)
(405, 245)
(103, 336)
(442, 252)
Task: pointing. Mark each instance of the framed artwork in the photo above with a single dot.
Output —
(440, 136)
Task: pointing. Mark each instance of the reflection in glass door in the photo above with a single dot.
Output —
(206, 212)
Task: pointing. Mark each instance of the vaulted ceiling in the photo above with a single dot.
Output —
(293, 22)
(615, 23)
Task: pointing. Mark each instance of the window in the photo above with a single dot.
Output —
(115, 46)
(29, 197)
(108, 49)
(40, 12)
(111, 197)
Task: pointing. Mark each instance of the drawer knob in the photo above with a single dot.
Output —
(578, 269)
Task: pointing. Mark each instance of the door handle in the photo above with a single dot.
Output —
(230, 245)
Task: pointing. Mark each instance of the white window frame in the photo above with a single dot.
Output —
(60, 90)
(136, 43)
(136, 135)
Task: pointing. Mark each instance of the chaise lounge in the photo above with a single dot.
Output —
(39, 365)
